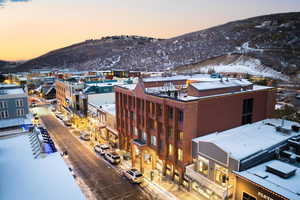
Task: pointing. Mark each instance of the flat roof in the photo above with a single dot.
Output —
(12, 93)
(109, 108)
(128, 86)
(249, 139)
(23, 177)
(287, 187)
(167, 78)
(5, 123)
(201, 86)
(101, 99)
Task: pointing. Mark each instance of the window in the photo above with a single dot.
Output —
(170, 113)
(170, 132)
(131, 115)
(247, 111)
(153, 140)
(151, 124)
(180, 115)
(170, 150)
(179, 154)
(159, 109)
(3, 114)
(247, 196)
(144, 136)
(202, 165)
(221, 175)
(20, 112)
(180, 135)
(19, 102)
(3, 104)
(135, 131)
(152, 108)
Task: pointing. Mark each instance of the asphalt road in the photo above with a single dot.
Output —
(104, 181)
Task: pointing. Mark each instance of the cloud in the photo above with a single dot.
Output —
(19, 0)
(4, 2)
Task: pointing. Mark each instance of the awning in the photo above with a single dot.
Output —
(139, 142)
(67, 109)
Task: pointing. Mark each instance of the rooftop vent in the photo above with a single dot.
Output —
(261, 174)
(295, 128)
(283, 130)
(281, 169)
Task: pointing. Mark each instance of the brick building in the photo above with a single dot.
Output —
(158, 117)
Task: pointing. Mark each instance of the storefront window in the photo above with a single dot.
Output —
(180, 154)
(170, 149)
(180, 135)
(144, 136)
(247, 196)
(202, 165)
(135, 132)
(221, 175)
(153, 140)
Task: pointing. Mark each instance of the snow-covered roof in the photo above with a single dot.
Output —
(23, 177)
(221, 84)
(169, 78)
(128, 86)
(12, 91)
(246, 140)
(5, 123)
(101, 99)
(109, 108)
(287, 187)
(104, 84)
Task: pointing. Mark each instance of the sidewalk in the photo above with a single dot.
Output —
(165, 185)
(161, 188)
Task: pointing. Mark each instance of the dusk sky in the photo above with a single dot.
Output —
(31, 28)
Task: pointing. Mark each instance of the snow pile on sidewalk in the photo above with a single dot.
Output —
(252, 67)
(23, 177)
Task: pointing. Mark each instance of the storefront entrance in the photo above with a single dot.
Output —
(145, 160)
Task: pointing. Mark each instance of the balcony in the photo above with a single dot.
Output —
(204, 181)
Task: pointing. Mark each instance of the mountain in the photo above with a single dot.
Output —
(6, 66)
(273, 40)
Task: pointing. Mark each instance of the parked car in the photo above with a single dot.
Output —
(36, 120)
(59, 115)
(84, 136)
(112, 157)
(53, 109)
(101, 149)
(33, 104)
(67, 122)
(134, 176)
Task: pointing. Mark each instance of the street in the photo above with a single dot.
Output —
(103, 180)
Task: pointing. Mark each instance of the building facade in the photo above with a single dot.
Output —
(158, 118)
(221, 161)
(13, 104)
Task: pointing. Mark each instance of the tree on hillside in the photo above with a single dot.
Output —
(2, 78)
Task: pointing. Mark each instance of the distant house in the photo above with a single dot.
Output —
(13, 106)
(49, 92)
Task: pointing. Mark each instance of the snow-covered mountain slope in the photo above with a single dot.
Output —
(252, 67)
(272, 39)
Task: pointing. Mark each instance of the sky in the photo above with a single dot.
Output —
(30, 28)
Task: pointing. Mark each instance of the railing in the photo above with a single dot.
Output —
(204, 181)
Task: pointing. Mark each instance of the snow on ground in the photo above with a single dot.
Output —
(23, 177)
(252, 67)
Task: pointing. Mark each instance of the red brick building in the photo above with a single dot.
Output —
(158, 117)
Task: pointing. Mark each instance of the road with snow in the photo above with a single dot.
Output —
(104, 182)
